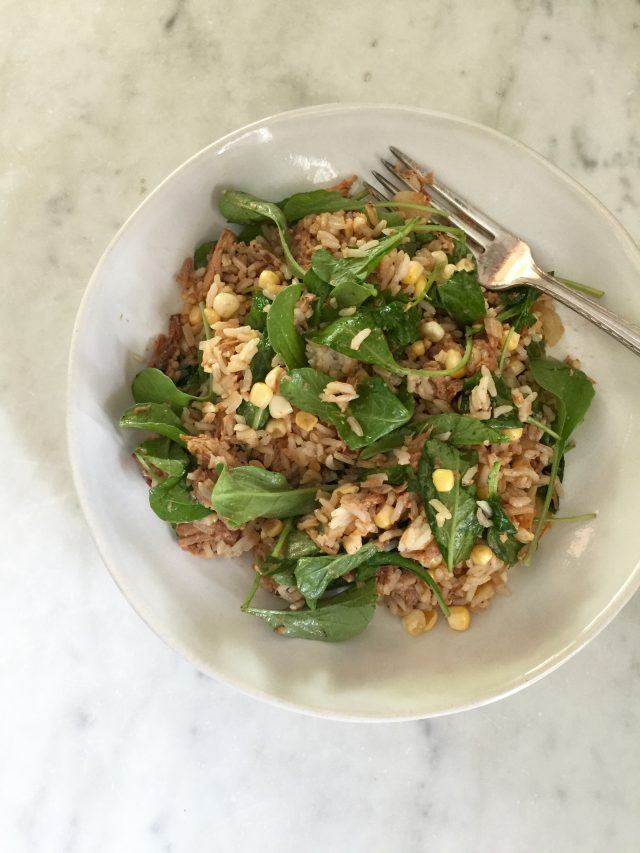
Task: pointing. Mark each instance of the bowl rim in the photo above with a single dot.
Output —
(588, 633)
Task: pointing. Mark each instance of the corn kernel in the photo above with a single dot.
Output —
(452, 358)
(384, 517)
(212, 316)
(195, 318)
(276, 428)
(513, 433)
(226, 304)
(459, 618)
(269, 282)
(306, 421)
(418, 349)
(439, 257)
(279, 407)
(481, 554)
(273, 377)
(511, 338)
(430, 618)
(273, 527)
(413, 274)
(432, 331)
(443, 479)
(414, 623)
(447, 272)
(260, 395)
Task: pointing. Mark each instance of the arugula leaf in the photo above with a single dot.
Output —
(245, 209)
(376, 409)
(334, 619)
(261, 362)
(255, 418)
(458, 534)
(518, 303)
(201, 254)
(314, 574)
(257, 318)
(500, 536)
(392, 558)
(155, 417)
(173, 501)
(285, 339)
(245, 492)
(461, 297)
(153, 386)
(399, 322)
(300, 205)
(162, 456)
(573, 393)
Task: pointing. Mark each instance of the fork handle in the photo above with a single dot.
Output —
(627, 333)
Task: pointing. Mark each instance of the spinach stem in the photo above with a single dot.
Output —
(582, 288)
(587, 516)
(557, 455)
(408, 371)
(254, 588)
(505, 351)
(410, 205)
(536, 423)
(282, 538)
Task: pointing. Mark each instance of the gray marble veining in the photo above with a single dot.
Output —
(109, 742)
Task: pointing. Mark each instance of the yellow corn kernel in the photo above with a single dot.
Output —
(418, 349)
(511, 338)
(439, 257)
(273, 527)
(447, 272)
(226, 304)
(273, 377)
(513, 433)
(452, 358)
(481, 554)
(212, 316)
(195, 319)
(432, 331)
(414, 623)
(276, 428)
(384, 517)
(431, 618)
(268, 279)
(443, 479)
(413, 273)
(260, 395)
(306, 421)
(279, 407)
(459, 618)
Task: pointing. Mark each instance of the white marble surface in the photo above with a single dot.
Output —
(108, 741)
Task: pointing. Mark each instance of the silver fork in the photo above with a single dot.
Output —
(503, 260)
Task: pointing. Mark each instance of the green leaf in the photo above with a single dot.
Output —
(396, 475)
(300, 544)
(460, 250)
(399, 322)
(518, 303)
(261, 362)
(458, 534)
(253, 416)
(334, 619)
(285, 339)
(461, 297)
(500, 536)
(155, 417)
(257, 317)
(201, 254)
(314, 574)
(153, 386)
(349, 293)
(246, 209)
(173, 501)
(392, 558)
(322, 311)
(161, 456)
(245, 492)
(300, 205)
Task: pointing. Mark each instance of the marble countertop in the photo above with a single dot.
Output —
(110, 742)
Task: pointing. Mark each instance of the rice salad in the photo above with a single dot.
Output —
(339, 397)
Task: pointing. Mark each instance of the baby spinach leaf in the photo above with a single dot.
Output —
(314, 574)
(350, 293)
(155, 417)
(300, 205)
(261, 362)
(201, 254)
(245, 492)
(573, 393)
(281, 570)
(337, 618)
(500, 536)
(400, 323)
(392, 558)
(245, 209)
(257, 317)
(396, 475)
(161, 456)
(254, 417)
(249, 232)
(458, 534)
(303, 387)
(300, 544)
(518, 303)
(390, 442)
(322, 310)
(285, 339)
(153, 386)
(460, 250)
(461, 297)
(173, 501)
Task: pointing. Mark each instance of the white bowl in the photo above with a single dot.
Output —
(583, 573)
